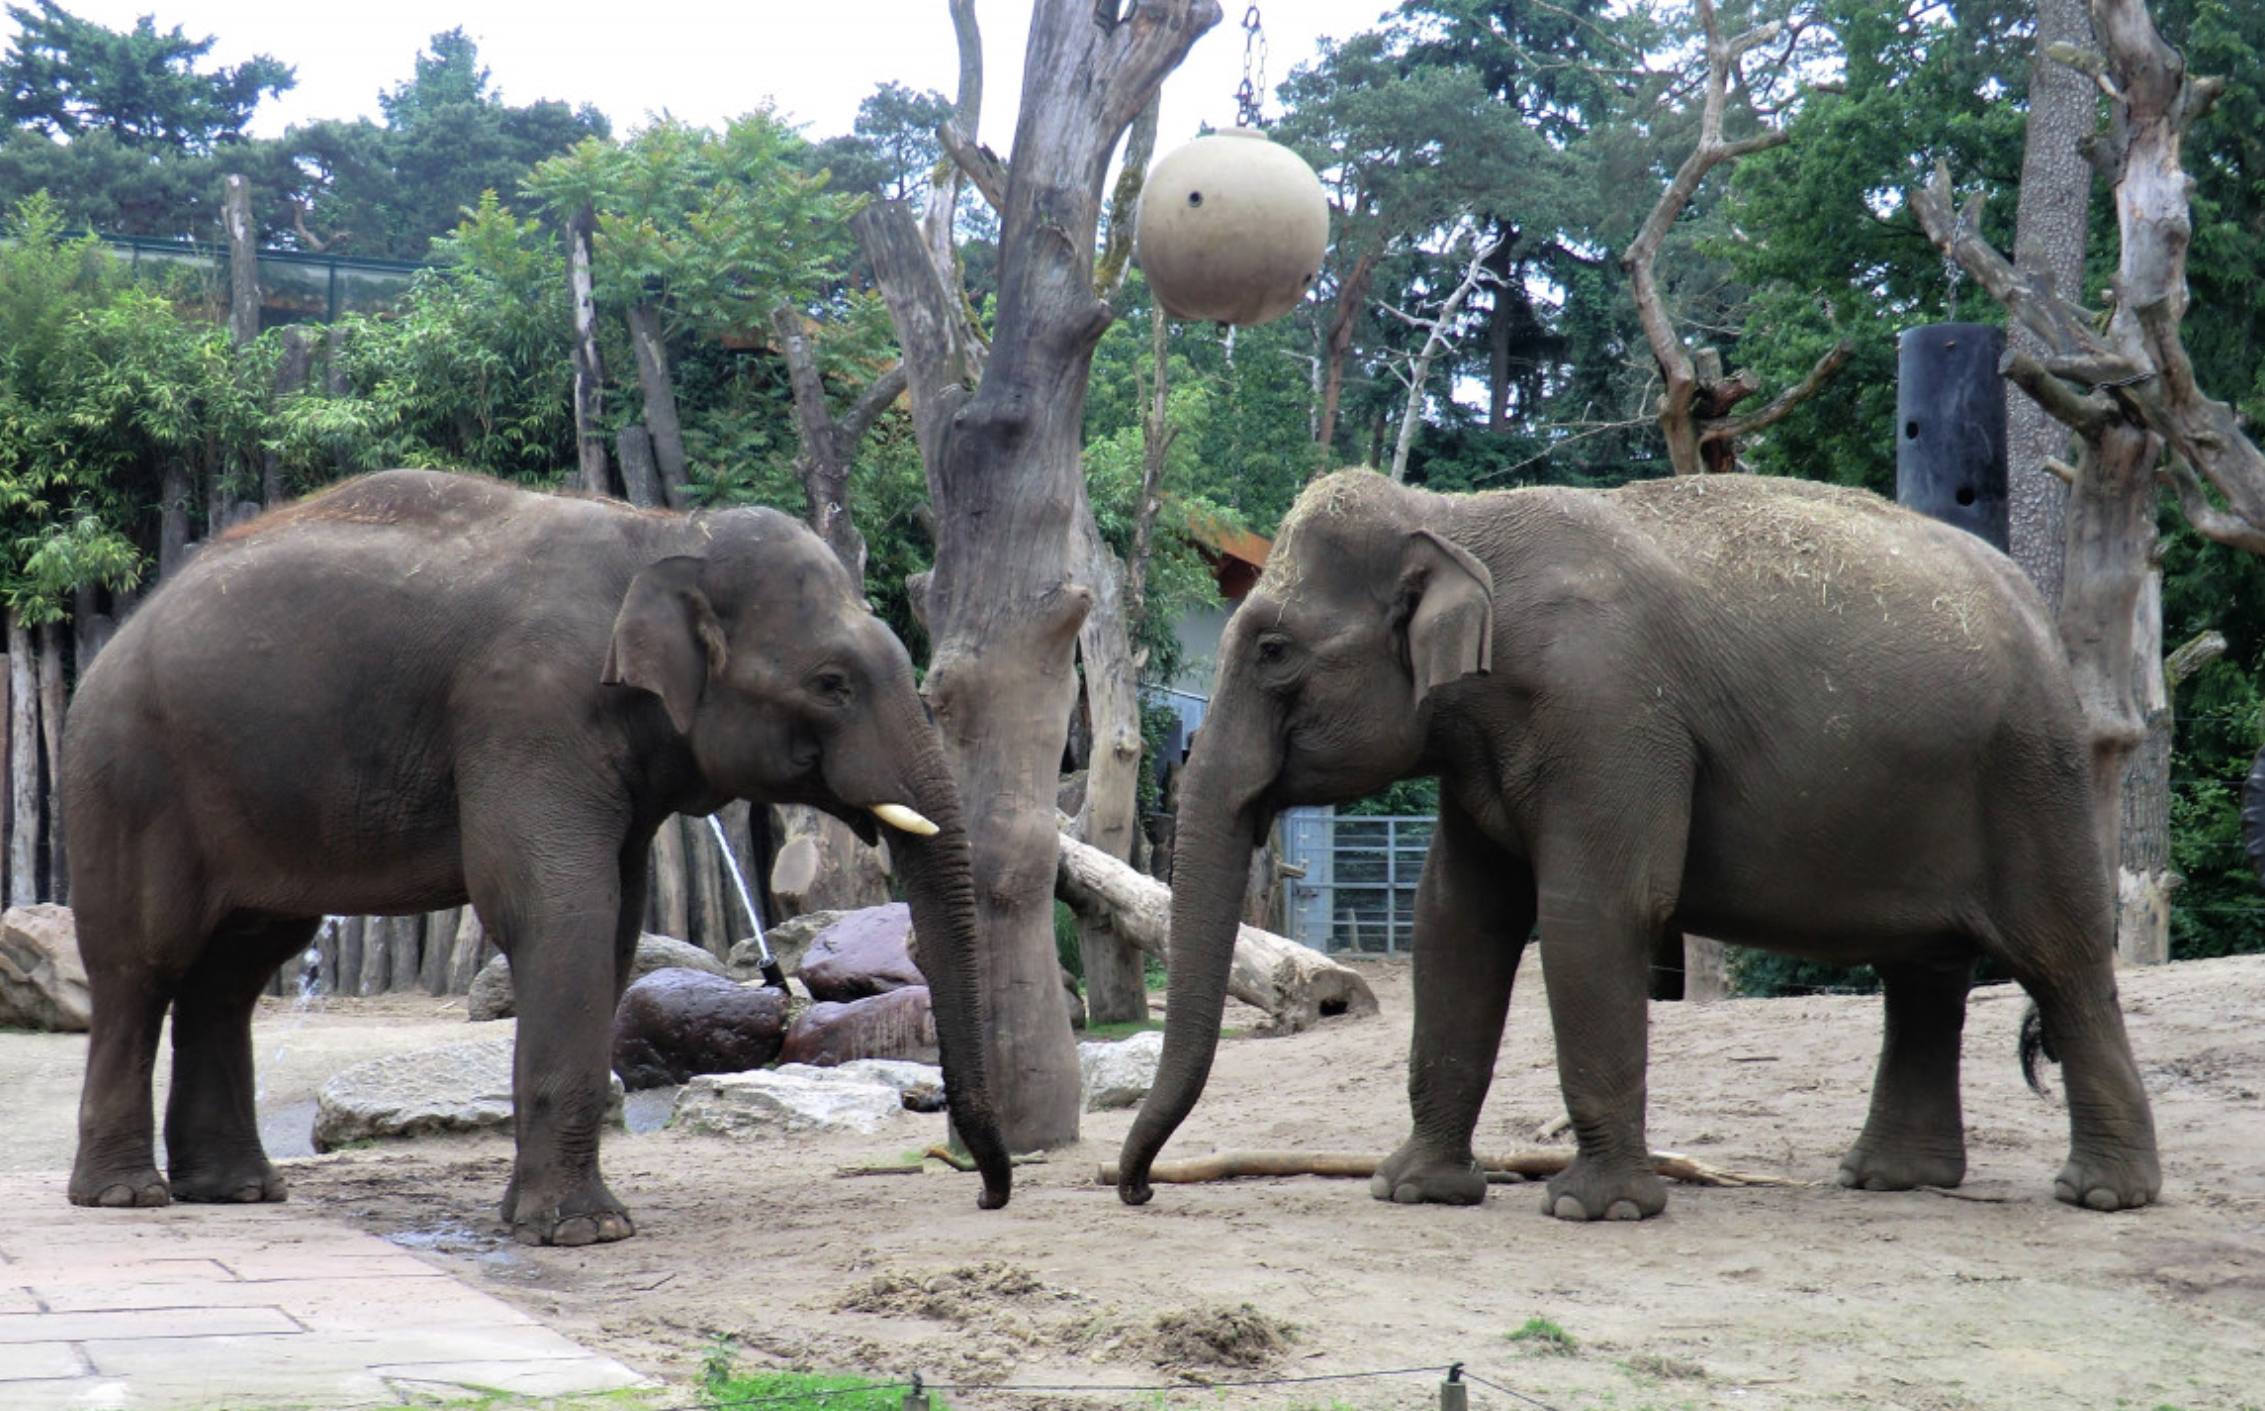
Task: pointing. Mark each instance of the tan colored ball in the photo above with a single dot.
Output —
(1232, 229)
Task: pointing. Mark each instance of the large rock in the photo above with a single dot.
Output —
(789, 941)
(1119, 1074)
(676, 1023)
(865, 953)
(784, 1100)
(491, 996)
(455, 1088)
(895, 1025)
(42, 983)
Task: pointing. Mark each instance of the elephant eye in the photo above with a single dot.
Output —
(1272, 649)
(831, 686)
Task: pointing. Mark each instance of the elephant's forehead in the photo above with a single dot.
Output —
(1338, 515)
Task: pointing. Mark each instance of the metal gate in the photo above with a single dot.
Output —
(1359, 889)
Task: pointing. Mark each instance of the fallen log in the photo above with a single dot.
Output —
(1522, 1165)
(1296, 985)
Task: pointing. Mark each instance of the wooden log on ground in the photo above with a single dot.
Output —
(1296, 985)
(1522, 1165)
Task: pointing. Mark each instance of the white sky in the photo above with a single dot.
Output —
(704, 62)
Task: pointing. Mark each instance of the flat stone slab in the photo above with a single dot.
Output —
(189, 1308)
(791, 1098)
(454, 1088)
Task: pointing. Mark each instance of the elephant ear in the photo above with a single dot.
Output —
(667, 638)
(1451, 631)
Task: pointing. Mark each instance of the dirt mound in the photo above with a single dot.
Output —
(1240, 1336)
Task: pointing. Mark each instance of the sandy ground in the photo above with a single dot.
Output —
(1757, 1298)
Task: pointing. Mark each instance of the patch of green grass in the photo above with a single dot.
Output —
(1542, 1338)
(812, 1391)
(1110, 1033)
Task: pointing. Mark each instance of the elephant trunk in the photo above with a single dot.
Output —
(939, 884)
(1221, 816)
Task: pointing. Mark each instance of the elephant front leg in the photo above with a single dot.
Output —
(1474, 911)
(1916, 1135)
(562, 948)
(1596, 970)
(116, 1164)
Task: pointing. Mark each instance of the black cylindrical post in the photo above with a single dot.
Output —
(1950, 426)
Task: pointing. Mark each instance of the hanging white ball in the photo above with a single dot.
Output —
(1232, 229)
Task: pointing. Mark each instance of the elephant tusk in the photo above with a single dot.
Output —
(896, 815)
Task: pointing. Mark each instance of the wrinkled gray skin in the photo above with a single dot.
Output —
(422, 689)
(1777, 713)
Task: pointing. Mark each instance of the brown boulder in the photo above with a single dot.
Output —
(894, 1025)
(676, 1023)
(865, 953)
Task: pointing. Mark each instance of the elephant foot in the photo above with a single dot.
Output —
(588, 1215)
(1414, 1176)
(1875, 1168)
(1586, 1190)
(2098, 1184)
(574, 1231)
(120, 1190)
(240, 1186)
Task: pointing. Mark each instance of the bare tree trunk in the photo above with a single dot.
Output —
(177, 503)
(439, 949)
(822, 866)
(377, 957)
(23, 764)
(2049, 231)
(2111, 537)
(1003, 605)
(346, 973)
(1337, 341)
(52, 699)
(290, 378)
(1295, 984)
(408, 933)
(2144, 880)
(1116, 987)
(466, 952)
(243, 261)
(589, 369)
(656, 382)
(1436, 339)
(671, 907)
(640, 479)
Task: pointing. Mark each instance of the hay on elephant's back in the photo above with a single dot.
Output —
(1839, 548)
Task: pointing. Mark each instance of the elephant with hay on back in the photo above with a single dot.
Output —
(1779, 713)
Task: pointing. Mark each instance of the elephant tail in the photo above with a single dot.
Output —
(2034, 1045)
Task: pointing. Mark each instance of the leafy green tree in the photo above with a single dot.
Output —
(67, 77)
(128, 134)
(1403, 148)
(390, 190)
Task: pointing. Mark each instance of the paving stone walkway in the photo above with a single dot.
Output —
(238, 1308)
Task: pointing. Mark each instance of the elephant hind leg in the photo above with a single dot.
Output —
(212, 1140)
(2112, 1162)
(134, 967)
(1915, 1135)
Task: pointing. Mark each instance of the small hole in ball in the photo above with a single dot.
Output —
(1195, 198)
(1965, 495)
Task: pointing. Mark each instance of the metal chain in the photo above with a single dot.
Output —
(1248, 96)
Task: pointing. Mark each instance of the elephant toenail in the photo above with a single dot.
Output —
(2101, 1198)
(1567, 1207)
(1407, 1195)
(1624, 1210)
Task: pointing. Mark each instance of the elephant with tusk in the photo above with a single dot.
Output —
(417, 690)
